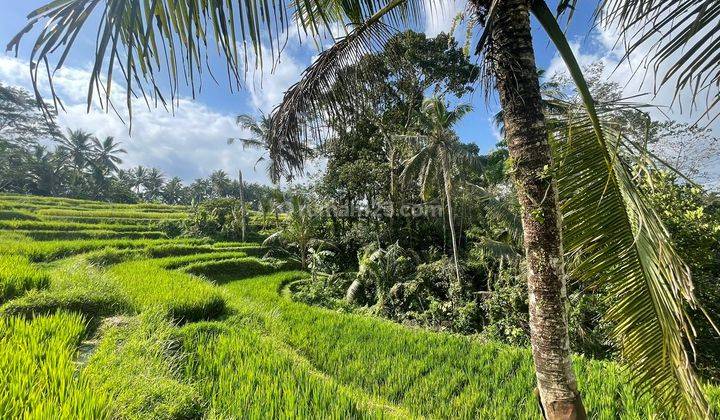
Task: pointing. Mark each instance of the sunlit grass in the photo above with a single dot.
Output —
(38, 375)
(262, 356)
(185, 297)
(125, 214)
(18, 275)
(52, 250)
(137, 364)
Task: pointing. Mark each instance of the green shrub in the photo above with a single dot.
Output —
(172, 228)
(137, 365)
(18, 275)
(219, 219)
(327, 291)
(39, 377)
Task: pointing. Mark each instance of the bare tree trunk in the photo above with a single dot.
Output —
(242, 204)
(451, 219)
(513, 62)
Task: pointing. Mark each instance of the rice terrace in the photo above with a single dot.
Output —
(404, 209)
(151, 327)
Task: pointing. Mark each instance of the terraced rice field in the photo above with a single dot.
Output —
(103, 316)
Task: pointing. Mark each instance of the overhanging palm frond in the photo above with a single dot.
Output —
(677, 38)
(137, 39)
(618, 241)
(304, 105)
(157, 46)
(620, 244)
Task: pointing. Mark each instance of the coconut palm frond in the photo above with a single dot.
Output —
(150, 35)
(274, 239)
(496, 249)
(312, 100)
(157, 47)
(620, 244)
(677, 41)
(499, 210)
(615, 239)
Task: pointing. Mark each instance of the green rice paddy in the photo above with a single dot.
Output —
(98, 320)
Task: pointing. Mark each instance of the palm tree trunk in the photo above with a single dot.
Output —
(513, 62)
(451, 219)
(242, 204)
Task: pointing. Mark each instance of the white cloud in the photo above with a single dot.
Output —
(440, 14)
(269, 85)
(189, 144)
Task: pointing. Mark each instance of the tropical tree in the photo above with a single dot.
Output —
(200, 190)
(220, 184)
(46, 171)
(281, 158)
(381, 267)
(317, 260)
(624, 244)
(21, 121)
(266, 209)
(139, 175)
(299, 233)
(437, 121)
(77, 146)
(278, 199)
(153, 184)
(173, 191)
(105, 155)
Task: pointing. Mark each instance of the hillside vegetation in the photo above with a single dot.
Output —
(118, 320)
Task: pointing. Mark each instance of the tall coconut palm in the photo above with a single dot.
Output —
(153, 184)
(622, 240)
(173, 192)
(200, 190)
(220, 184)
(281, 158)
(139, 175)
(77, 146)
(105, 154)
(45, 171)
(434, 156)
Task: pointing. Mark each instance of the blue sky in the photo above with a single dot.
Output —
(191, 143)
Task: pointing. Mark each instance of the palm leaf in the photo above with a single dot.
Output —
(619, 242)
(677, 40)
(500, 210)
(496, 249)
(310, 101)
(177, 36)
